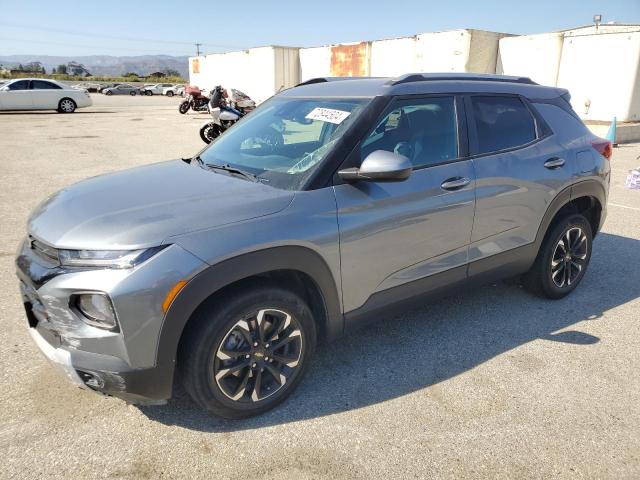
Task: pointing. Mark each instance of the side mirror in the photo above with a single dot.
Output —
(379, 166)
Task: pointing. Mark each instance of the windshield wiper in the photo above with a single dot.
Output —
(235, 171)
(226, 167)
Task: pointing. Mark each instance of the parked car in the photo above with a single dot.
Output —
(89, 87)
(42, 94)
(173, 90)
(156, 89)
(107, 85)
(122, 89)
(225, 270)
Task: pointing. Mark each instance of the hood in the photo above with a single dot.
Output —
(143, 206)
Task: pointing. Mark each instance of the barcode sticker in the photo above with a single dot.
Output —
(328, 115)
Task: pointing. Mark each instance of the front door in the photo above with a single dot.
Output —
(395, 234)
(17, 96)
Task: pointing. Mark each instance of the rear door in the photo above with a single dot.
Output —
(17, 96)
(393, 235)
(45, 94)
(519, 167)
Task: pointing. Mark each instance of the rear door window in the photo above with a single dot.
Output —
(502, 122)
(42, 85)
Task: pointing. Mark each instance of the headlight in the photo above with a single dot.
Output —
(96, 309)
(106, 258)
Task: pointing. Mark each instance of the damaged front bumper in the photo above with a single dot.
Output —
(103, 374)
(119, 362)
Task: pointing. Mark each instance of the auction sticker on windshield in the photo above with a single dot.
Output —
(327, 115)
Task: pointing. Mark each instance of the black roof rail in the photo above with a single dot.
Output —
(426, 77)
(311, 81)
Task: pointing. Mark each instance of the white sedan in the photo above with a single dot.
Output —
(42, 94)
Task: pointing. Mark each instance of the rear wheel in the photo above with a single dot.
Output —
(562, 260)
(247, 353)
(170, 93)
(132, 93)
(67, 105)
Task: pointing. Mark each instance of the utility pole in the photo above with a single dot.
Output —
(198, 45)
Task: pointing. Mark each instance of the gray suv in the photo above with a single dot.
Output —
(332, 202)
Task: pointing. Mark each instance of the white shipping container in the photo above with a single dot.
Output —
(394, 57)
(533, 56)
(600, 91)
(259, 72)
(315, 62)
(458, 51)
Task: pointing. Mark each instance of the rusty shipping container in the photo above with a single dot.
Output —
(350, 60)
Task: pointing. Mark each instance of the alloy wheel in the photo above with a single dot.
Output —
(569, 257)
(258, 356)
(67, 106)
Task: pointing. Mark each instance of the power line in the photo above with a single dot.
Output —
(111, 37)
(92, 47)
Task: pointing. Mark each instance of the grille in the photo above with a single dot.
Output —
(43, 250)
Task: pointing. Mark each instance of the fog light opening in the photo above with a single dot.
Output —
(90, 379)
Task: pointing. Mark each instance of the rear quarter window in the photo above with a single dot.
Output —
(560, 121)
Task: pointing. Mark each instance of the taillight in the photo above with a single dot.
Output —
(604, 147)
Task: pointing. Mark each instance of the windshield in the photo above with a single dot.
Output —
(285, 140)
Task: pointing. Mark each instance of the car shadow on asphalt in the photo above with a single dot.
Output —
(433, 343)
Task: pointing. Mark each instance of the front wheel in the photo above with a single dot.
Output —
(148, 93)
(67, 105)
(184, 107)
(562, 260)
(246, 353)
(209, 132)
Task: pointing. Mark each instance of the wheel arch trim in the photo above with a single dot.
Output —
(586, 188)
(218, 276)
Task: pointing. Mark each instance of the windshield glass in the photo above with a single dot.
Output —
(285, 140)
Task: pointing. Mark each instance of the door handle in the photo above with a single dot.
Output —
(554, 163)
(455, 183)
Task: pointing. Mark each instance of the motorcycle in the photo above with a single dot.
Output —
(225, 110)
(195, 100)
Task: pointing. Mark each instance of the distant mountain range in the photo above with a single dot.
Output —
(106, 65)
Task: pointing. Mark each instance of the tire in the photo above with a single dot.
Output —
(109, 92)
(132, 93)
(170, 93)
(558, 271)
(184, 107)
(148, 93)
(209, 132)
(213, 361)
(67, 105)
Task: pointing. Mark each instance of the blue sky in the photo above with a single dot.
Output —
(115, 27)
